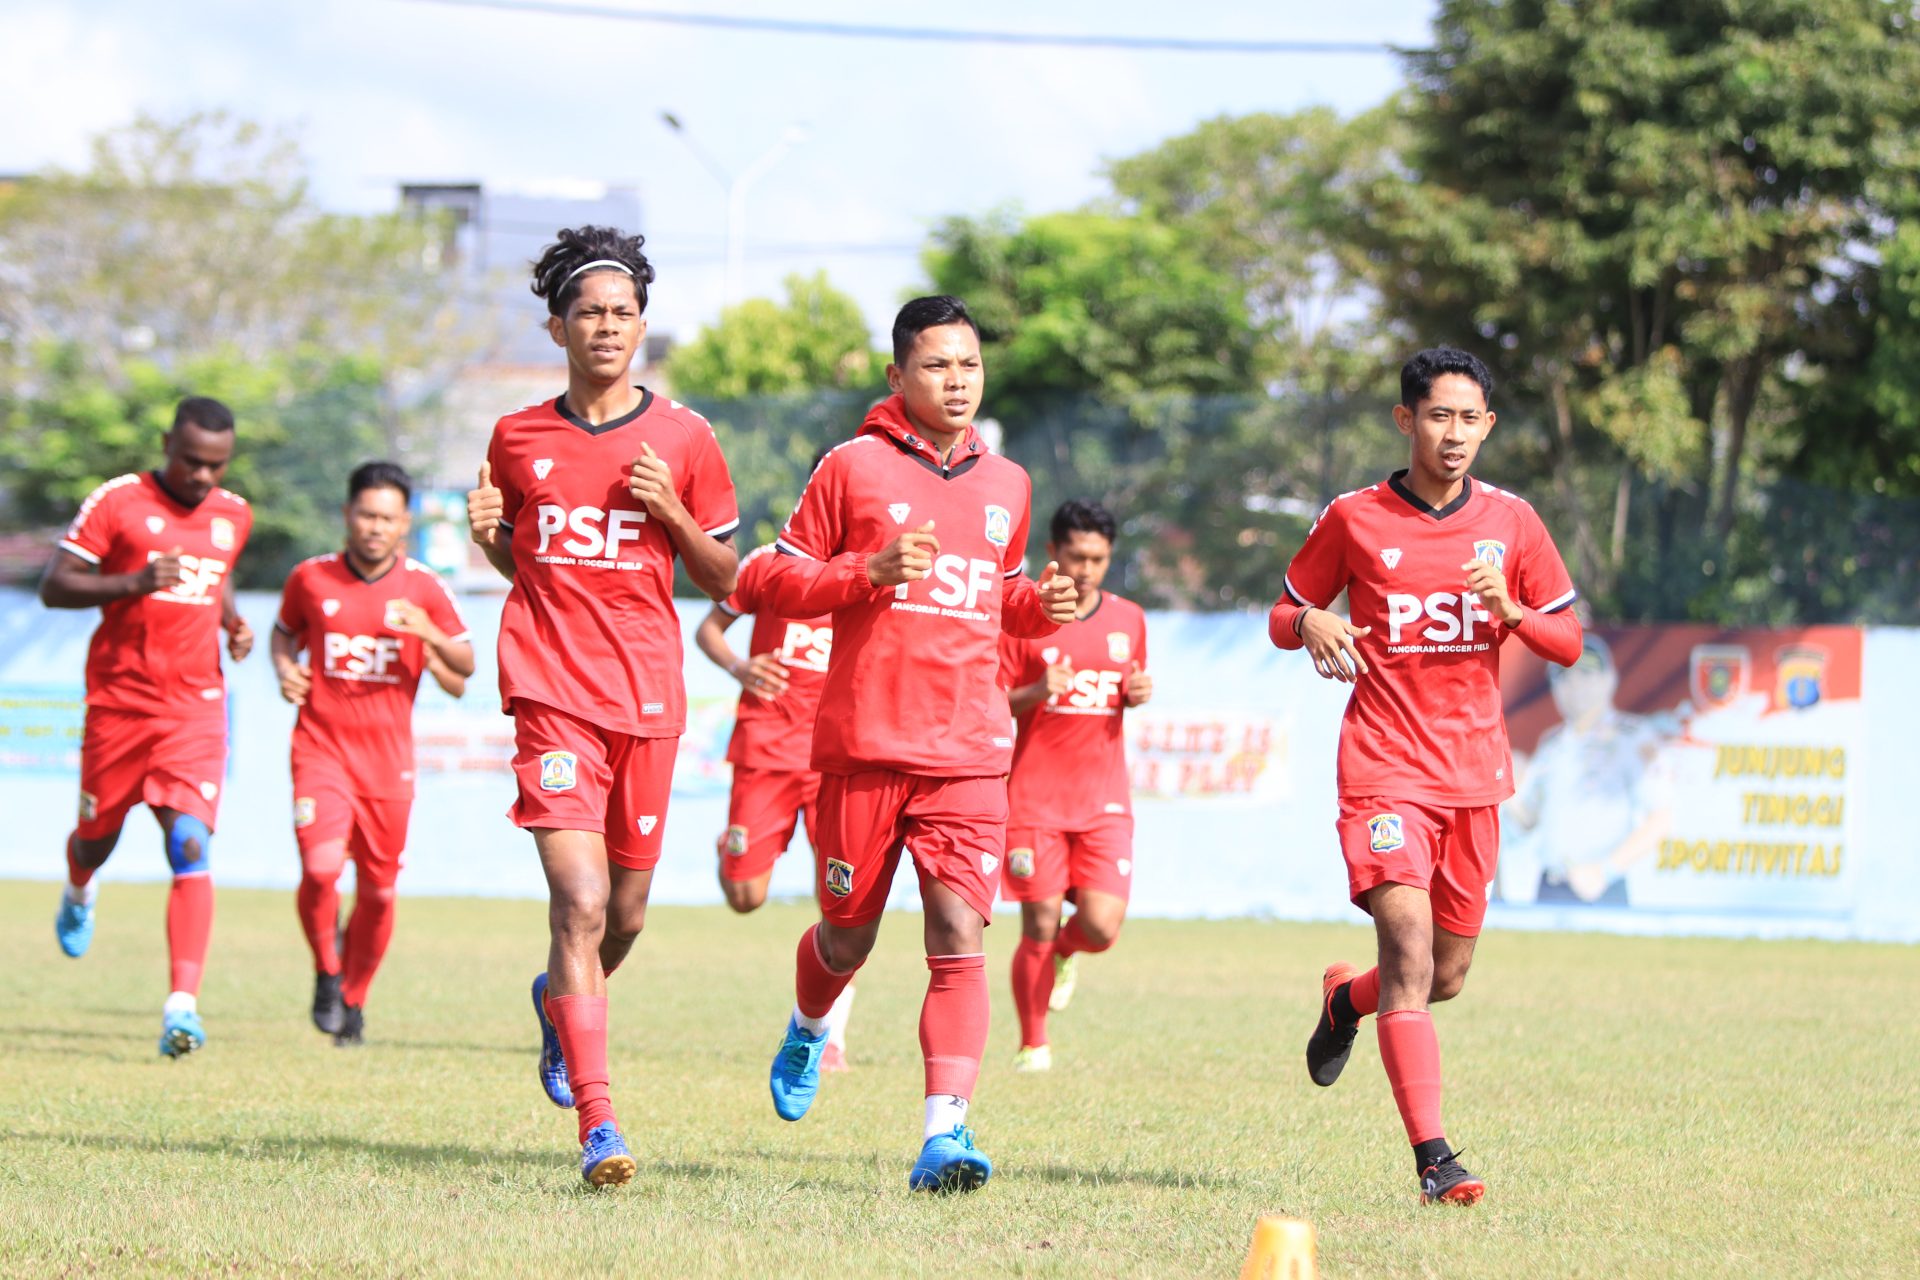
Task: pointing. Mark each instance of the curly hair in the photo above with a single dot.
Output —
(557, 275)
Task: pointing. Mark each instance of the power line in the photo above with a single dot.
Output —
(939, 35)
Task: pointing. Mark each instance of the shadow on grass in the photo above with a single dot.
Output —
(1102, 1175)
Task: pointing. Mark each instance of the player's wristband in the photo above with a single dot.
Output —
(1300, 621)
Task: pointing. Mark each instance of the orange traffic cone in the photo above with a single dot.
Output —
(1282, 1250)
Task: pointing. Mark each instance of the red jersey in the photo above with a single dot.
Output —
(1070, 759)
(159, 654)
(777, 733)
(360, 709)
(1425, 723)
(589, 627)
(914, 684)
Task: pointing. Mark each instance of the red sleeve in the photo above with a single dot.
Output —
(1140, 649)
(1021, 613)
(292, 617)
(814, 572)
(748, 583)
(437, 599)
(245, 531)
(1554, 636)
(1014, 660)
(817, 525)
(510, 496)
(1544, 583)
(707, 488)
(92, 532)
(1314, 580)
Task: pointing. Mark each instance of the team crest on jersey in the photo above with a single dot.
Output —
(1489, 551)
(1020, 862)
(839, 877)
(999, 526)
(221, 530)
(1119, 646)
(1384, 834)
(541, 466)
(89, 806)
(1802, 675)
(648, 822)
(898, 510)
(735, 841)
(155, 524)
(1391, 557)
(329, 607)
(556, 770)
(304, 811)
(396, 614)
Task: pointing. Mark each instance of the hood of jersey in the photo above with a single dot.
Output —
(889, 419)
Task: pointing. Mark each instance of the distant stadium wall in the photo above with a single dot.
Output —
(1680, 780)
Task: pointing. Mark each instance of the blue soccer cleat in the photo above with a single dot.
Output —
(74, 926)
(181, 1033)
(795, 1078)
(553, 1063)
(604, 1158)
(949, 1162)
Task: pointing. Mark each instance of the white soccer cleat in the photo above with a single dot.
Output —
(1066, 976)
(1034, 1057)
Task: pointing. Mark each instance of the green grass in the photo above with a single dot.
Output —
(1638, 1108)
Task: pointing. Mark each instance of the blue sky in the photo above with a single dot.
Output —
(899, 134)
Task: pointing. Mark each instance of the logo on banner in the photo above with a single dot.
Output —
(898, 510)
(735, 841)
(1490, 552)
(222, 531)
(1392, 557)
(556, 770)
(1119, 646)
(541, 466)
(1718, 674)
(1384, 834)
(648, 822)
(329, 607)
(999, 526)
(1802, 674)
(1020, 863)
(839, 877)
(304, 811)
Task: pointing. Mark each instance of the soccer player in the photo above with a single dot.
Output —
(774, 785)
(584, 502)
(913, 536)
(1440, 569)
(154, 552)
(373, 620)
(1069, 804)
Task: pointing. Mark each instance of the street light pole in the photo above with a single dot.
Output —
(736, 189)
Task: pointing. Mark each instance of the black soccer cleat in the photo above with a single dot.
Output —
(329, 1013)
(352, 1028)
(1331, 1041)
(1447, 1181)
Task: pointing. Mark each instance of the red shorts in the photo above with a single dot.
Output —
(955, 829)
(129, 758)
(327, 808)
(1043, 863)
(576, 776)
(762, 811)
(1451, 853)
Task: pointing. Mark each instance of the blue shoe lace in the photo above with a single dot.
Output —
(795, 1077)
(603, 1143)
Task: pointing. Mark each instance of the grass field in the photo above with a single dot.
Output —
(1638, 1108)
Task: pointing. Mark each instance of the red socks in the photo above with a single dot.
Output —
(317, 901)
(815, 986)
(1364, 992)
(77, 875)
(189, 929)
(1070, 940)
(1410, 1052)
(953, 1023)
(581, 1024)
(1032, 986)
(368, 933)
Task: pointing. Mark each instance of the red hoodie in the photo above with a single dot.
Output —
(912, 685)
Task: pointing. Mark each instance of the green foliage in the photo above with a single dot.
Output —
(816, 339)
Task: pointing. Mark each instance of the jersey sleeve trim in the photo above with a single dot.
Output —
(1561, 603)
(727, 609)
(788, 549)
(68, 544)
(1017, 570)
(722, 530)
(1293, 594)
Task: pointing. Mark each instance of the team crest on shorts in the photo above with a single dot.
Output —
(735, 841)
(89, 806)
(1119, 646)
(1020, 862)
(1384, 834)
(221, 531)
(556, 770)
(304, 811)
(1492, 552)
(999, 526)
(839, 877)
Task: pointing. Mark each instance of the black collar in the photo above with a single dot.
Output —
(160, 479)
(950, 472)
(560, 407)
(1097, 604)
(1397, 482)
(346, 558)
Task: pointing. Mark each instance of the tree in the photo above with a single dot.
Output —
(816, 339)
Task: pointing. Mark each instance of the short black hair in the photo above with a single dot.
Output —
(554, 275)
(203, 412)
(1418, 375)
(922, 314)
(379, 475)
(1076, 515)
